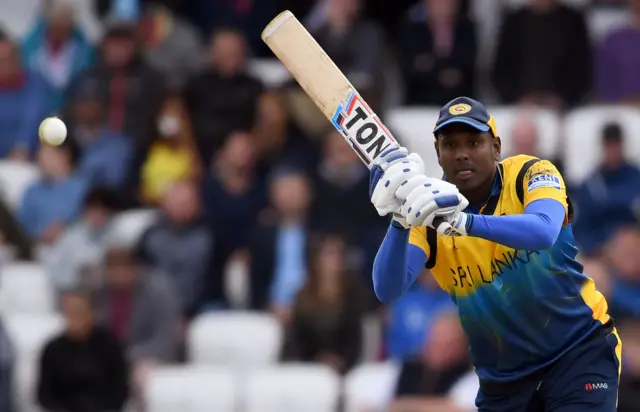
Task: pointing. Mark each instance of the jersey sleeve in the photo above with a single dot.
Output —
(418, 237)
(543, 181)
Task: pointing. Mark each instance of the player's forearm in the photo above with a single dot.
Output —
(397, 265)
(536, 229)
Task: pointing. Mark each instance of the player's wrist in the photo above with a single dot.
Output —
(468, 225)
(399, 222)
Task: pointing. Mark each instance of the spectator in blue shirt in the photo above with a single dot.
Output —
(23, 97)
(57, 49)
(607, 199)
(411, 317)
(53, 202)
(104, 156)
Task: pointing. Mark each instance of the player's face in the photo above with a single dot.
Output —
(467, 156)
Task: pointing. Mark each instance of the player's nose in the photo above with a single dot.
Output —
(462, 155)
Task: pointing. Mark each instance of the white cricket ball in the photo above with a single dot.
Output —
(53, 131)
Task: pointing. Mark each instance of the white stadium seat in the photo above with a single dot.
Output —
(29, 333)
(547, 122)
(270, 71)
(583, 129)
(129, 226)
(25, 288)
(15, 178)
(191, 389)
(603, 22)
(242, 339)
(370, 386)
(292, 388)
(413, 127)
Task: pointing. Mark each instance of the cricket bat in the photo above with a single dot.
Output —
(328, 87)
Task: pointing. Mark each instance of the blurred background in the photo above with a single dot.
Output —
(203, 240)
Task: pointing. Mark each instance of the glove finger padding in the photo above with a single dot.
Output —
(410, 184)
(391, 156)
(385, 191)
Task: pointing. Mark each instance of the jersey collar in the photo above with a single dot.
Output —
(489, 206)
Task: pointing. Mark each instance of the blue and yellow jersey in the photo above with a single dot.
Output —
(521, 309)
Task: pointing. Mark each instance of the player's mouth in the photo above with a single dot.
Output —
(464, 174)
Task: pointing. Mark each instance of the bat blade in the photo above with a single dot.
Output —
(327, 87)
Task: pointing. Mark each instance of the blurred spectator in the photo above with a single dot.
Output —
(327, 317)
(131, 91)
(7, 361)
(525, 137)
(23, 97)
(606, 200)
(54, 201)
(341, 188)
(223, 97)
(278, 138)
(617, 62)
(543, 55)
(623, 263)
(278, 244)
(104, 156)
(629, 388)
(57, 48)
(141, 309)
(437, 51)
(81, 248)
(356, 45)
(410, 318)
(172, 156)
(234, 194)
(171, 44)
(248, 16)
(425, 383)
(83, 369)
(180, 244)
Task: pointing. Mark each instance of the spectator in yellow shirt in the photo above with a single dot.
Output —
(172, 157)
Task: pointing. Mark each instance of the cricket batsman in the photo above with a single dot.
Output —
(496, 235)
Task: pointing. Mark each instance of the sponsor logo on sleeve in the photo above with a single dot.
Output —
(544, 180)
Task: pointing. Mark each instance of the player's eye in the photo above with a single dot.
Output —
(474, 143)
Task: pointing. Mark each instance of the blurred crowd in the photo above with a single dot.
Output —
(259, 205)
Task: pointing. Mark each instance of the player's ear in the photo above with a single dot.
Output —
(497, 147)
(435, 144)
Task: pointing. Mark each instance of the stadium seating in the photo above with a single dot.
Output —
(270, 71)
(29, 334)
(292, 388)
(582, 130)
(368, 386)
(129, 226)
(15, 178)
(191, 389)
(241, 339)
(603, 22)
(25, 288)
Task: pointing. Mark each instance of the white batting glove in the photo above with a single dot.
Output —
(392, 169)
(430, 200)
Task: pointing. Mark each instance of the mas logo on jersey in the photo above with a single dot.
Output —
(544, 180)
(595, 386)
(460, 108)
(362, 128)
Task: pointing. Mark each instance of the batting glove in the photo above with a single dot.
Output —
(392, 169)
(433, 199)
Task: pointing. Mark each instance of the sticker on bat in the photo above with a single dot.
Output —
(357, 122)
